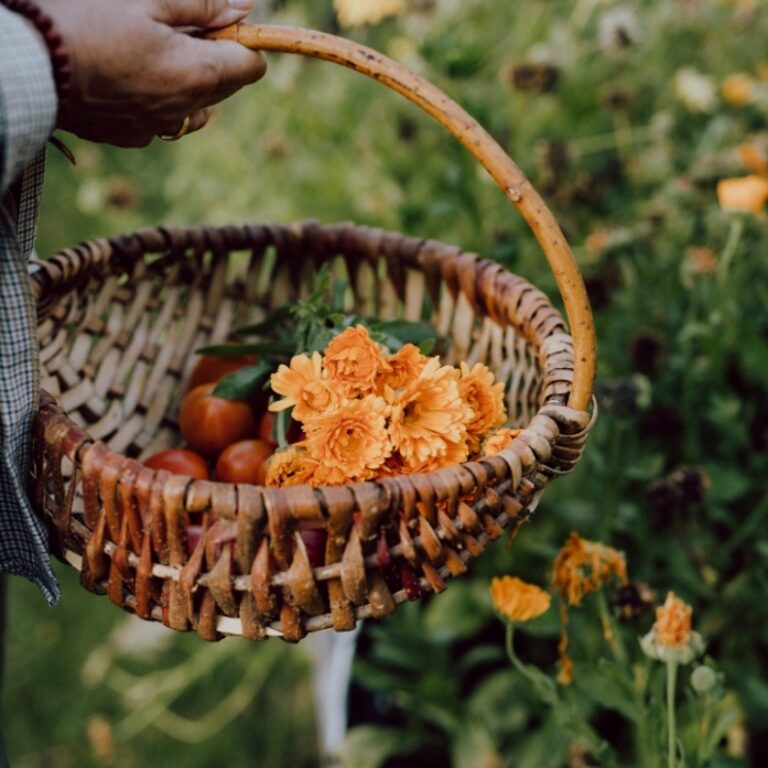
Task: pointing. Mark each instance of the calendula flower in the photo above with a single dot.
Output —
(671, 638)
(737, 89)
(303, 386)
(582, 567)
(749, 193)
(499, 440)
(517, 600)
(353, 361)
(754, 155)
(402, 368)
(485, 396)
(353, 13)
(673, 622)
(351, 441)
(429, 416)
(291, 466)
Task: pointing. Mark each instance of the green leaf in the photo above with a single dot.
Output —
(242, 384)
(458, 613)
(370, 746)
(610, 686)
(473, 747)
(282, 349)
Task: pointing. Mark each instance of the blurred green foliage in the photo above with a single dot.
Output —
(595, 101)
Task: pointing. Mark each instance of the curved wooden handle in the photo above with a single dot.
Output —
(483, 147)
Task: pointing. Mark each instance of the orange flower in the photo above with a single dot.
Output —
(499, 440)
(673, 622)
(749, 193)
(353, 361)
(428, 418)
(350, 442)
(671, 639)
(402, 368)
(291, 466)
(517, 600)
(754, 156)
(738, 89)
(485, 396)
(303, 387)
(582, 567)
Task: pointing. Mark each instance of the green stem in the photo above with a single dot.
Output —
(610, 632)
(731, 246)
(671, 724)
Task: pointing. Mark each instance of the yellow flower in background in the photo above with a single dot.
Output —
(354, 13)
(350, 441)
(428, 418)
(485, 396)
(499, 440)
(673, 622)
(582, 567)
(352, 361)
(738, 89)
(749, 193)
(303, 387)
(291, 466)
(517, 600)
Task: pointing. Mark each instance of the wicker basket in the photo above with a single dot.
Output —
(119, 320)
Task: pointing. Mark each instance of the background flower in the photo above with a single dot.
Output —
(517, 600)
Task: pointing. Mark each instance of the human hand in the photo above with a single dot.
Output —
(136, 73)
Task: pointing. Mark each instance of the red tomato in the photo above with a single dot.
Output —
(244, 462)
(209, 423)
(180, 461)
(210, 368)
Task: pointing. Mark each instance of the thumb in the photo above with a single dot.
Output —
(201, 13)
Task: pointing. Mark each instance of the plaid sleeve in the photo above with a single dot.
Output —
(27, 96)
(27, 115)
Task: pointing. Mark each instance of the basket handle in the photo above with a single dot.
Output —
(483, 147)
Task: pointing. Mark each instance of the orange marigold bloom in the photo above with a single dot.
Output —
(582, 567)
(673, 622)
(754, 156)
(738, 89)
(353, 361)
(499, 440)
(517, 600)
(303, 387)
(291, 466)
(402, 368)
(428, 418)
(485, 396)
(350, 442)
(749, 193)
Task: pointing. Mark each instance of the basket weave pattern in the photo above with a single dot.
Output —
(119, 321)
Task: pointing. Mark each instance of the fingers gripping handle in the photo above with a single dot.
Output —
(480, 144)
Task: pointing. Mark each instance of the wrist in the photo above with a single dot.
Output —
(51, 41)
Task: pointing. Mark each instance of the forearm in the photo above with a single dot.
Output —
(27, 96)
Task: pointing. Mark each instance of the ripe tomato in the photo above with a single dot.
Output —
(209, 423)
(180, 461)
(244, 462)
(210, 368)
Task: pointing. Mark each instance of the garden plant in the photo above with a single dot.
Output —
(626, 624)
